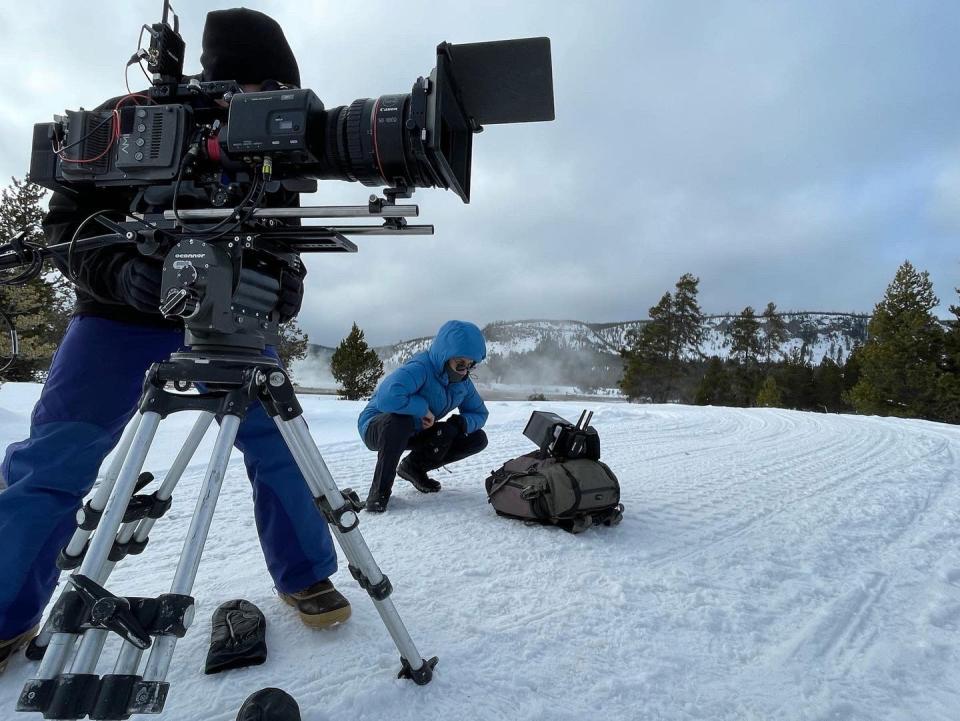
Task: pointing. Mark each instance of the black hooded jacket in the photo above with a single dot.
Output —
(238, 44)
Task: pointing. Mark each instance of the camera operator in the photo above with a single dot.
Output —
(96, 378)
(402, 413)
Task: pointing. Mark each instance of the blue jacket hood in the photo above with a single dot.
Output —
(457, 338)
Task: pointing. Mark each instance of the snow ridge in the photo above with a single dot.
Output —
(815, 335)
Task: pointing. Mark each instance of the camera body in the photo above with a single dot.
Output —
(275, 123)
(180, 128)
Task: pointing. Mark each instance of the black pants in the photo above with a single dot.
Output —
(390, 434)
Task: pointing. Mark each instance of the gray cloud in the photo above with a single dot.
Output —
(794, 152)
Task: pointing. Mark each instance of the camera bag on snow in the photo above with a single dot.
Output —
(547, 487)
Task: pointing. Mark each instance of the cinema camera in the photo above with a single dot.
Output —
(217, 149)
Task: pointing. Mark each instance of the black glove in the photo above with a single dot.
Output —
(460, 422)
(239, 637)
(430, 446)
(291, 293)
(139, 283)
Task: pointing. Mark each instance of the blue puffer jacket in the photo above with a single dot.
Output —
(421, 384)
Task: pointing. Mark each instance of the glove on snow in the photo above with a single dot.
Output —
(238, 638)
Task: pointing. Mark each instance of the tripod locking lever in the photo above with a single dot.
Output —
(110, 612)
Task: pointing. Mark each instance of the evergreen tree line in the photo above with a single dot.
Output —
(909, 365)
(40, 308)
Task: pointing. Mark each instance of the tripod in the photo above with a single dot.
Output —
(116, 522)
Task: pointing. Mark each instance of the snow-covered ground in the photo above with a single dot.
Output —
(771, 565)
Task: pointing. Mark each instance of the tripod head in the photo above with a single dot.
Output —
(224, 269)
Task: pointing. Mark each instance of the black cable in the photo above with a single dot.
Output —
(14, 341)
(26, 252)
(73, 241)
(32, 271)
(254, 204)
(176, 194)
(80, 140)
(237, 211)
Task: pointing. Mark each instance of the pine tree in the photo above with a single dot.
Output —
(828, 387)
(774, 333)
(647, 371)
(948, 383)
(900, 362)
(40, 308)
(795, 378)
(293, 344)
(687, 323)
(658, 356)
(715, 388)
(769, 394)
(356, 366)
(851, 375)
(745, 344)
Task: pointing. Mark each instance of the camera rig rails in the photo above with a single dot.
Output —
(224, 282)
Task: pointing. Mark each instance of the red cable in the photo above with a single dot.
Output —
(115, 133)
(114, 136)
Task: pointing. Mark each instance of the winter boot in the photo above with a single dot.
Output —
(410, 470)
(375, 505)
(9, 648)
(319, 605)
(376, 502)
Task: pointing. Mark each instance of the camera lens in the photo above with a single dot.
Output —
(368, 141)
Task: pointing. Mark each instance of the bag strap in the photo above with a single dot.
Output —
(507, 476)
(574, 484)
(495, 488)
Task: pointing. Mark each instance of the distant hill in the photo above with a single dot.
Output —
(586, 355)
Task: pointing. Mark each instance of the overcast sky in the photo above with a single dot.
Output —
(793, 152)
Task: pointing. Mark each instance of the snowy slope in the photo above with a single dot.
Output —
(771, 565)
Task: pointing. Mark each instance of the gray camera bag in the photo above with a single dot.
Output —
(573, 494)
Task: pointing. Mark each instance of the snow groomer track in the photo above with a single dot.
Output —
(771, 565)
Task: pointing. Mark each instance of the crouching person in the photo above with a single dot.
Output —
(405, 412)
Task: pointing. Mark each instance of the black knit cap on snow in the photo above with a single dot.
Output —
(269, 704)
(246, 46)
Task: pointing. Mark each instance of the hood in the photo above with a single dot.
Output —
(457, 338)
(246, 46)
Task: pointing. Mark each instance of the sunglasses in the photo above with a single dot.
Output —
(462, 365)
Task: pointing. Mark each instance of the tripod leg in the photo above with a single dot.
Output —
(362, 564)
(96, 557)
(96, 505)
(99, 501)
(136, 532)
(158, 663)
(179, 465)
